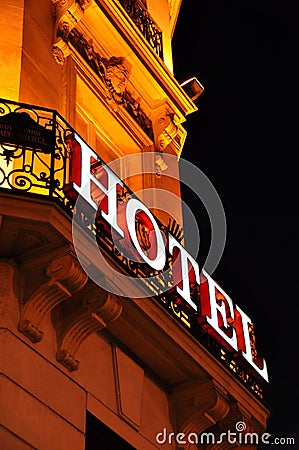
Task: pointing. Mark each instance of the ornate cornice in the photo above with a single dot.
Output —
(114, 72)
(67, 13)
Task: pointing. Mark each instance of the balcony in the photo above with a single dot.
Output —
(146, 25)
(34, 154)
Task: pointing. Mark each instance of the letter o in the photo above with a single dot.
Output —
(133, 206)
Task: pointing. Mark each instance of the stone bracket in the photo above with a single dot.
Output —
(169, 134)
(66, 277)
(83, 317)
(166, 129)
(198, 405)
(239, 420)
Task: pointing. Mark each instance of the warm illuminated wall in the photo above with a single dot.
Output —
(31, 75)
(160, 13)
(11, 26)
(41, 78)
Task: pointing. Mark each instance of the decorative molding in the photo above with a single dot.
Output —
(81, 318)
(166, 130)
(114, 73)
(240, 421)
(67, 13)
(206, 407)
(66, 277)
(199, 405)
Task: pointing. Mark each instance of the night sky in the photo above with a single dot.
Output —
(244, 137)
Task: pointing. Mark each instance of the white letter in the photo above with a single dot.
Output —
(229, 434)
(110, 191)
(163, 433)
(217, 307)
(244, 344)
(133, 206)
(265, 438)
(170, 437)
(251, 437)
(180, 436)
(185, 258)
(195, 438)
(220, 440)
(207, 436)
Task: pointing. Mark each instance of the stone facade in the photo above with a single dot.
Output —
(67, 346)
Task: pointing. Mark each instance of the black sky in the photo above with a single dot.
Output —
(244, 137)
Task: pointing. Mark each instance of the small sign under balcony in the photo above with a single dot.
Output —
(20, 129)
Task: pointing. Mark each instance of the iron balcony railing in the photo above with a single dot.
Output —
(144, 22)
(34, 156)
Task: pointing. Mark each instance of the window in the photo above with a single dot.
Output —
(99, 436)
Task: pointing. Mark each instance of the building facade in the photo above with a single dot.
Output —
(87, 359)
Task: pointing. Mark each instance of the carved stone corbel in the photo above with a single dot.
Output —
(67, 13)
(198, 406)
(66, 277)
(166, 130)
(83, 317)
(230, 433)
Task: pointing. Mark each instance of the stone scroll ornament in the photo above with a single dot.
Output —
(67, 14)
(166, 131)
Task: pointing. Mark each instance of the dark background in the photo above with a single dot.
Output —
(244, 137)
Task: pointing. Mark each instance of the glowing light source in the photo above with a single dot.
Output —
(193, 88)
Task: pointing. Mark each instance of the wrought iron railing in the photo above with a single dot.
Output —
(34, 156)
(142, 19)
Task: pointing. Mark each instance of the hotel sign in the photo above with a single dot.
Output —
(215, 311)
(140, 243)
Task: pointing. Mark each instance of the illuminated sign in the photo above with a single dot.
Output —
(215, 311)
